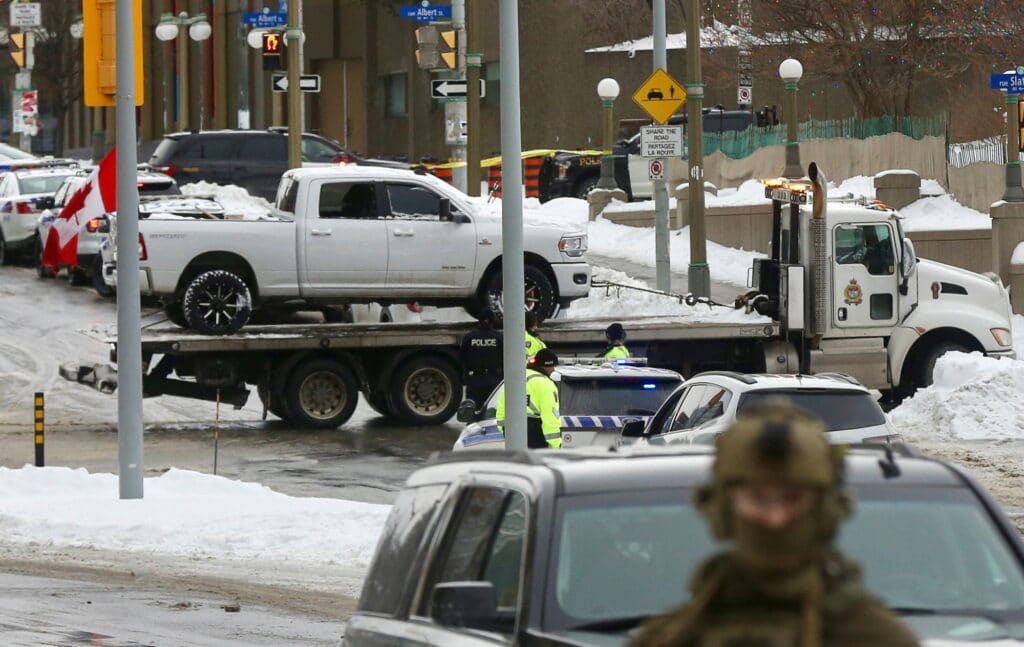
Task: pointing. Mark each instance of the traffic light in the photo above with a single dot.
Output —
(16, 46)
(99, 51)
(437, 49)
(273, 51)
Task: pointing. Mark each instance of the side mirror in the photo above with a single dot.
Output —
(634, 429)
(444, 210)
(469, 604)
(466, 411)
(908, 264)
(45, 202)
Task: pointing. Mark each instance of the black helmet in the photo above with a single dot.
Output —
(532, 320)
(487, 316)
(615, 332)
(545, 357)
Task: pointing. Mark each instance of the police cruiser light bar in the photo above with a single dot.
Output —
(603, 361)
(783, 190)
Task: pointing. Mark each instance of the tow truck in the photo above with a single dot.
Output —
(843, 291)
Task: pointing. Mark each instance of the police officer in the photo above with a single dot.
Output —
(533, 342)
(543, 422)
(776, 493)
(480, 353)
(616, 336)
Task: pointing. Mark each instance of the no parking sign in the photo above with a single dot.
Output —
(656, 170)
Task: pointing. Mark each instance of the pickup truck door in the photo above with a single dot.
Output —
(344, 241)
(426, 252)
(864, 276)
(641, 186)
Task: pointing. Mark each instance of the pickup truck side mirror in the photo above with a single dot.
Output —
(469, 604)
(634, 429)
(444, 210)
(466, 411)
(44, 202)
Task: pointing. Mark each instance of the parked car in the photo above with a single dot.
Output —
(595, 401)
(23, 184)
(11, 153)
(579, 547)
(708, 403)
(252, 159)
(92, 232)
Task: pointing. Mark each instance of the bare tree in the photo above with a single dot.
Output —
(58, 60)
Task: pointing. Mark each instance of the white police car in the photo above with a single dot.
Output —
(708, 403)
(595, 401)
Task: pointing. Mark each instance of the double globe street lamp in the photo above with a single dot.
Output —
(171, 27)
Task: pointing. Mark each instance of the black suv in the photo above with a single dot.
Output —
(252, 159)
(577, 548)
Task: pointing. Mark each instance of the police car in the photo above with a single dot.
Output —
(595, 401)
(24, 186)
(709, 402)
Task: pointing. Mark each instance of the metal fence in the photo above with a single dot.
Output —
(992, 150)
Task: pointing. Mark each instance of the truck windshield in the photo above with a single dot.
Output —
(928, 551)
(839, 408)
(618, 397)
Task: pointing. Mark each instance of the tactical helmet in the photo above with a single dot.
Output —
(487, 316)
(615, 332)
(777, 442)
(532, 320)
(545, 357)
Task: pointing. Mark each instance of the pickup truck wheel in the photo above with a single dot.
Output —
(5, 255)
(77, 276)
(41, 270)
(217, 302)
(321, 393)
(426, 391)
(585, 186)
(175, 315)
(540, 295)
(98, 283)
(932, 355)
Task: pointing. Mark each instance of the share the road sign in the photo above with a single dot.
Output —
(307, 82)
(660, 96)
(452, 88)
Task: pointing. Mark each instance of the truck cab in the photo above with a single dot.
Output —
(851, 294)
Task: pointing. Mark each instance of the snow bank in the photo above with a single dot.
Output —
(185, 514)
(942, 213)
(233, 198)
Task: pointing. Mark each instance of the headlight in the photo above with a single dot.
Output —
(1002, 336)
(573, 245)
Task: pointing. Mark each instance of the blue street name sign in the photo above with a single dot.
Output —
(426, 13)
(265, 19)
(1012, 83)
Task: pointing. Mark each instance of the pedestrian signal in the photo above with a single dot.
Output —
(273, 50)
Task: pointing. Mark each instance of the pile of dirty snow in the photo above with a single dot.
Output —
(234, 199)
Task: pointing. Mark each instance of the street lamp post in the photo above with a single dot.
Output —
(1014, 192)
(608, 90)
(171, 27)
(791, 70)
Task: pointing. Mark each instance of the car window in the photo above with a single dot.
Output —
(264, 148)
(867, 245)
(398, 553)
(164, 151)
(410, 202)
(839, 408)
(5, 184)
(61, 194)
(689, 403)
(315, 150)
(208, 148)
(617, 397)
(661, 421)
(30, 184)
(357, 201)
(484, 543)
(711, 406)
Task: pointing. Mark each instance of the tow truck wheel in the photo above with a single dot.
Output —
(321, 393)
(379, 403)
(540, 295)
(425, 391)
(932, 355)
(217, 302)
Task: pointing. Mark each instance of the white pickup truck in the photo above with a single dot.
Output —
(351, 235)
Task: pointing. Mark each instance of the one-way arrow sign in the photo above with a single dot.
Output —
(451, 88)
(307, 82)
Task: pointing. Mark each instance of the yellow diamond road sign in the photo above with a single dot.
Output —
(660, 96)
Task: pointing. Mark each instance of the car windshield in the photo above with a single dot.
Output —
(639, 396)
(839, 408)
(32, 184)
(928, 552)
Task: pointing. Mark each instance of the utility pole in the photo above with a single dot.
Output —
(456, 111)
(293, 36)
(473, 62)
(698, 274)
(662, 252)
(129, 335)
(513, 293)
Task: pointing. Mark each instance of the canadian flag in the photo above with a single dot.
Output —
(97, 197)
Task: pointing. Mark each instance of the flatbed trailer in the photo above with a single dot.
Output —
(311, 374)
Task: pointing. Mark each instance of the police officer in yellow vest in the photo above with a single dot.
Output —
(543, 422)
(533, 342)
(616, 336)
(776, 492)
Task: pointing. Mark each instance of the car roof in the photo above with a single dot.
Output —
(610, 371)
(625, 469)
(49, 170)
(764, 381)
(355, 171)
(234, 132)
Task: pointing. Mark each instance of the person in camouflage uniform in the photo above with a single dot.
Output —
(776, 493)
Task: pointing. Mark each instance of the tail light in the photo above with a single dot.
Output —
(97, 225)
(170, 169)
(142, 248)
(344, 158)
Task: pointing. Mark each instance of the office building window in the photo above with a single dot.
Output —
(492, 75)
(394, 95)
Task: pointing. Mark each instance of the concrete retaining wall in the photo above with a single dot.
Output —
(970, 249)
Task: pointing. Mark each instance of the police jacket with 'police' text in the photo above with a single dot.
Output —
(481, 352)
